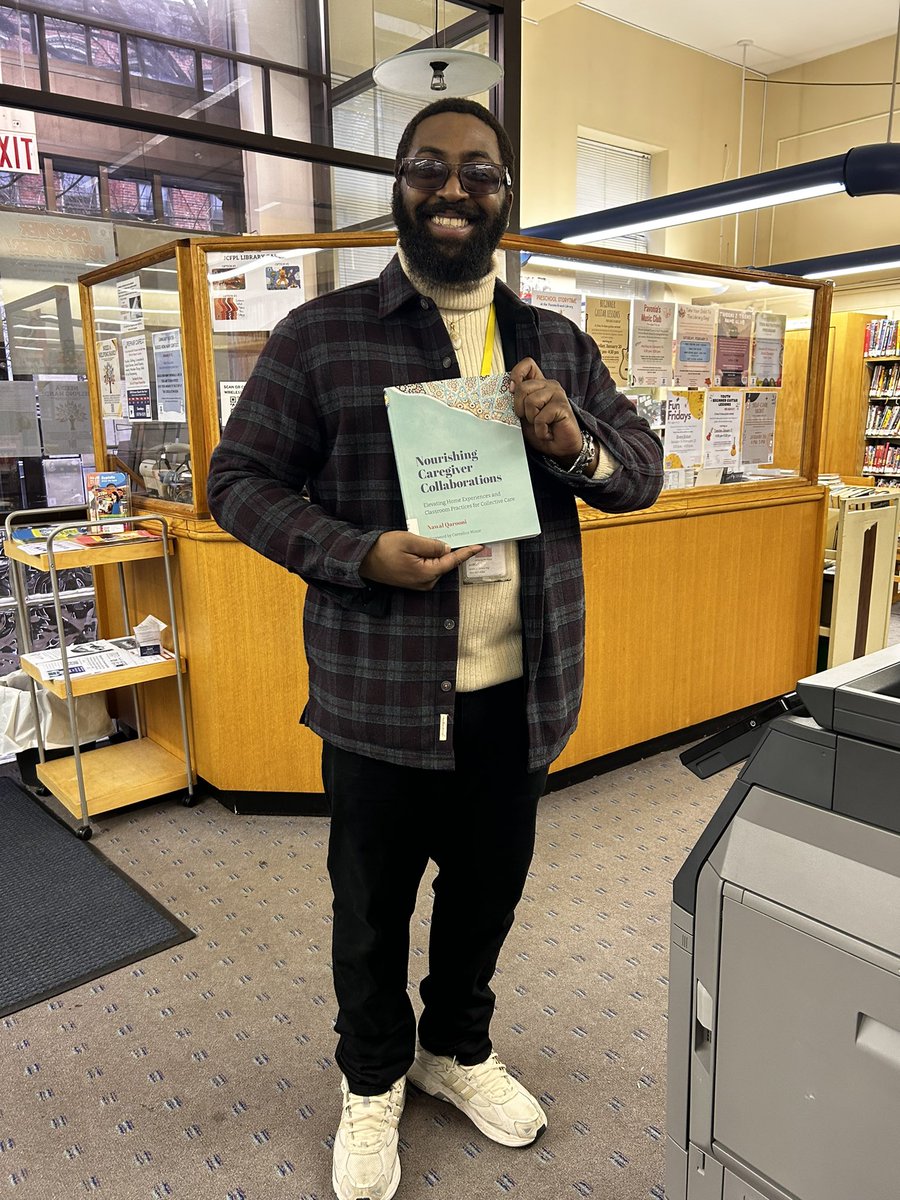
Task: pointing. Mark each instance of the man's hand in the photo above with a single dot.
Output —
(406, 560)
(548, 423)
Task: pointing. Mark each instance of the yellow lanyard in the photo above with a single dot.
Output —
(487, 357)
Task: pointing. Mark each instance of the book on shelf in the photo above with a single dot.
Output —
(460, 455)
(881, 338)
(116, 537)
(108, 495)
(33, 539)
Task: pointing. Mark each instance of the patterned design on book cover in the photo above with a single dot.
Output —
(481, 397)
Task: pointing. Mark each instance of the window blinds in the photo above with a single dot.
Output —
(606, 177)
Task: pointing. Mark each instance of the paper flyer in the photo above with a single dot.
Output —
(652, 330)
(250, 290)
(65, 410)
(768, 349)
(695, 335)
(110, 378)
(683, 436)
(758, 440)
(606, 321)
(733, 347)
(567, 304)
(131, 309)
(649, 404)
(722, 429)
(229, 394)
(169, 369)
(137, 378)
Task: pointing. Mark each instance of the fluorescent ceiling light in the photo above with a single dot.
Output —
(726, 208)
(832, 266)
(862, 171)
(595, 268)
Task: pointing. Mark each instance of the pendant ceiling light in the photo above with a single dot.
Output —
(436, 71)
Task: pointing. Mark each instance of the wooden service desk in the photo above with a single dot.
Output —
(704, 604)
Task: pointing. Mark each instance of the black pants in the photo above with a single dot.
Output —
(477, 824)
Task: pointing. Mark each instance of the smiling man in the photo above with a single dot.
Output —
(441, 693)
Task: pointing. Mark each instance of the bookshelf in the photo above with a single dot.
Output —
(881, 351)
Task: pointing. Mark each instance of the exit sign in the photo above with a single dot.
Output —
(19, 153)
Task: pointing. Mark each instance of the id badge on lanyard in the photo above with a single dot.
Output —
(489, 565)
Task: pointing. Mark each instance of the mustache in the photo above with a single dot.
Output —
(459, 209)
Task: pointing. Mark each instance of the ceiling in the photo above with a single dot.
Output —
(784, 33)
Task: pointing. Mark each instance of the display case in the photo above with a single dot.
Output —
(731, 551)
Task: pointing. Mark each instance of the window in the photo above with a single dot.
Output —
(131, 198)
(21, 191)
(188, 208)
(608, 176)
(77, 192)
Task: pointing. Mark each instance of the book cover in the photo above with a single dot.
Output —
(108, 495)
(461, 460)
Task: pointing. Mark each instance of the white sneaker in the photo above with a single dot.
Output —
(366, 1163)
(489, 1096)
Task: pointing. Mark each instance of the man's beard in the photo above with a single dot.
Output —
(448, 261)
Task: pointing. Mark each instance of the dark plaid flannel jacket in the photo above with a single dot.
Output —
(305, 475)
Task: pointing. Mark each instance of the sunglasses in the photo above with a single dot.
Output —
(476, 178)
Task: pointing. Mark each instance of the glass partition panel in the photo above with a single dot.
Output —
(140, 367)
(251, 291)
(701, 356)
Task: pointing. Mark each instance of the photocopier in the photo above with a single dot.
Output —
(784, 1004)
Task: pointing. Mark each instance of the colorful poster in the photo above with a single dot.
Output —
(733, 347)
(683, 437)
(606, 321)
(652, 330)
(695, 336)
(768, 349)
(229, 394)
(758, 440)
(250, 290)
(131, 309)
(139, 405)
(722, 430)
(169, 369)
(567, 304)
(110, 378)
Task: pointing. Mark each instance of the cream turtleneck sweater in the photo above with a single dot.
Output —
(490, 627)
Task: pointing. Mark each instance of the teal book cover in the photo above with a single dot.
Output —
(461, 460)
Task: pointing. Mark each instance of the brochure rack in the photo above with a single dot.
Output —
(126, 772)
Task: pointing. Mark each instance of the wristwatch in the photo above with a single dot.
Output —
(585, 456)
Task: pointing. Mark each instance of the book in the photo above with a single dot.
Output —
(108, 495)
(461, 461)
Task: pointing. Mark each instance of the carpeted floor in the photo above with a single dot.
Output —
(206, 1072)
